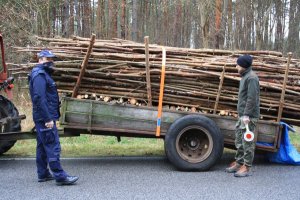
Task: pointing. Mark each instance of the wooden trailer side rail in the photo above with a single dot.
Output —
(95, 117)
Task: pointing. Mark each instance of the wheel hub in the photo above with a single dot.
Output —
(194, 144)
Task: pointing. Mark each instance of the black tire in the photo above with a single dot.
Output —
(7, 109)
(194, 143)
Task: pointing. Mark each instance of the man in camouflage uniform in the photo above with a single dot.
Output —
(248, 111)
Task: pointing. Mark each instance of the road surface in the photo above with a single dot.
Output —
(149, 178)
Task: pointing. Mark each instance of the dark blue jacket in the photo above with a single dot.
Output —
(43, 92)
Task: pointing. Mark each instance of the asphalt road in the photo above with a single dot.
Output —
(149, 178)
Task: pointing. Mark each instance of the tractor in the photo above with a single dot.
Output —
(9, 115)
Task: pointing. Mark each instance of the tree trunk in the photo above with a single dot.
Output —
(297, 19)
(53, 11)
(238, 23)
(266, 31)
(292, 36)
(141, 22)
(123, 19)
(134, 28)
(165, 23)
(48, 19)
(65, 19)
(86, 23)
(229, 32)
(279, 31)
(77, 4)
(113, 16)
(224, 21)
(205, 10)
(177, 23)
(247, 26)
(218, 13)
(71, 20)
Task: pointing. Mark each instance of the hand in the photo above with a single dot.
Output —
(246, 119)
(49, 124)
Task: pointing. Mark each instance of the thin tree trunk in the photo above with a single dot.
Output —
(177, 23)
(247, 26)
(53, 11)
(205, 9)
(238, 23)
(48, 19)
(229, 32)
(65, 19)
(71, 19)
(297, 19)
(123, 19)
(77, 4)
(266, 31)
(86, 23)
(279, 31)
(165, 23)
(292, 26)
(113, 25)
(141, 15)
(134, 20)
(218, 13)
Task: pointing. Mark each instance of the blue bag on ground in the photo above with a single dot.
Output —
(287, 153)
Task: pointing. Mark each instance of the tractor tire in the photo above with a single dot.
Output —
(7, 109)
(194, 143)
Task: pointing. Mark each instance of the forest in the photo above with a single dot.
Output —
(271, 25)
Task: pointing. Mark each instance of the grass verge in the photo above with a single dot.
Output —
(90, 145)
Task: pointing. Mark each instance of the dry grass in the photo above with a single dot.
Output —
(90, 145)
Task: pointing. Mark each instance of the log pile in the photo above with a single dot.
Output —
(116, 72)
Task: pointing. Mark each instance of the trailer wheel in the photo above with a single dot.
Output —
(7, 109)
(194, 143)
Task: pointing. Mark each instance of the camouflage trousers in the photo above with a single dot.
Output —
(245, 150)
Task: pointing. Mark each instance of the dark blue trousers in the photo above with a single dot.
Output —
(48, 152)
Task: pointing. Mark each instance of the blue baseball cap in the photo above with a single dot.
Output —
(46, 53)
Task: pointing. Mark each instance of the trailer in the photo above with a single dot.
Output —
(192, 141)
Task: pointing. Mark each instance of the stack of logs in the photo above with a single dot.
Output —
(193, 81)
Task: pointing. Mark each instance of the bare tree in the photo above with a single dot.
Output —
(279, 27)
(123, 19)
(293, 35)
(165, 22)
(229, 37)
(71, 18)
(239, 24)
(177, 23)
(134, 20)
(206, 8)
(113, 12)
(65, 19)
(218, 13)
(86, 18)
(77, 4)
(262, 9)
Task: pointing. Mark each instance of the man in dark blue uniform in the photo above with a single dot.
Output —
(45, 103)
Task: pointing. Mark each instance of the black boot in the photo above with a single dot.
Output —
(69, 180)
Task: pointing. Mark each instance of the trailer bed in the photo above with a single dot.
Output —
(101, 118)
